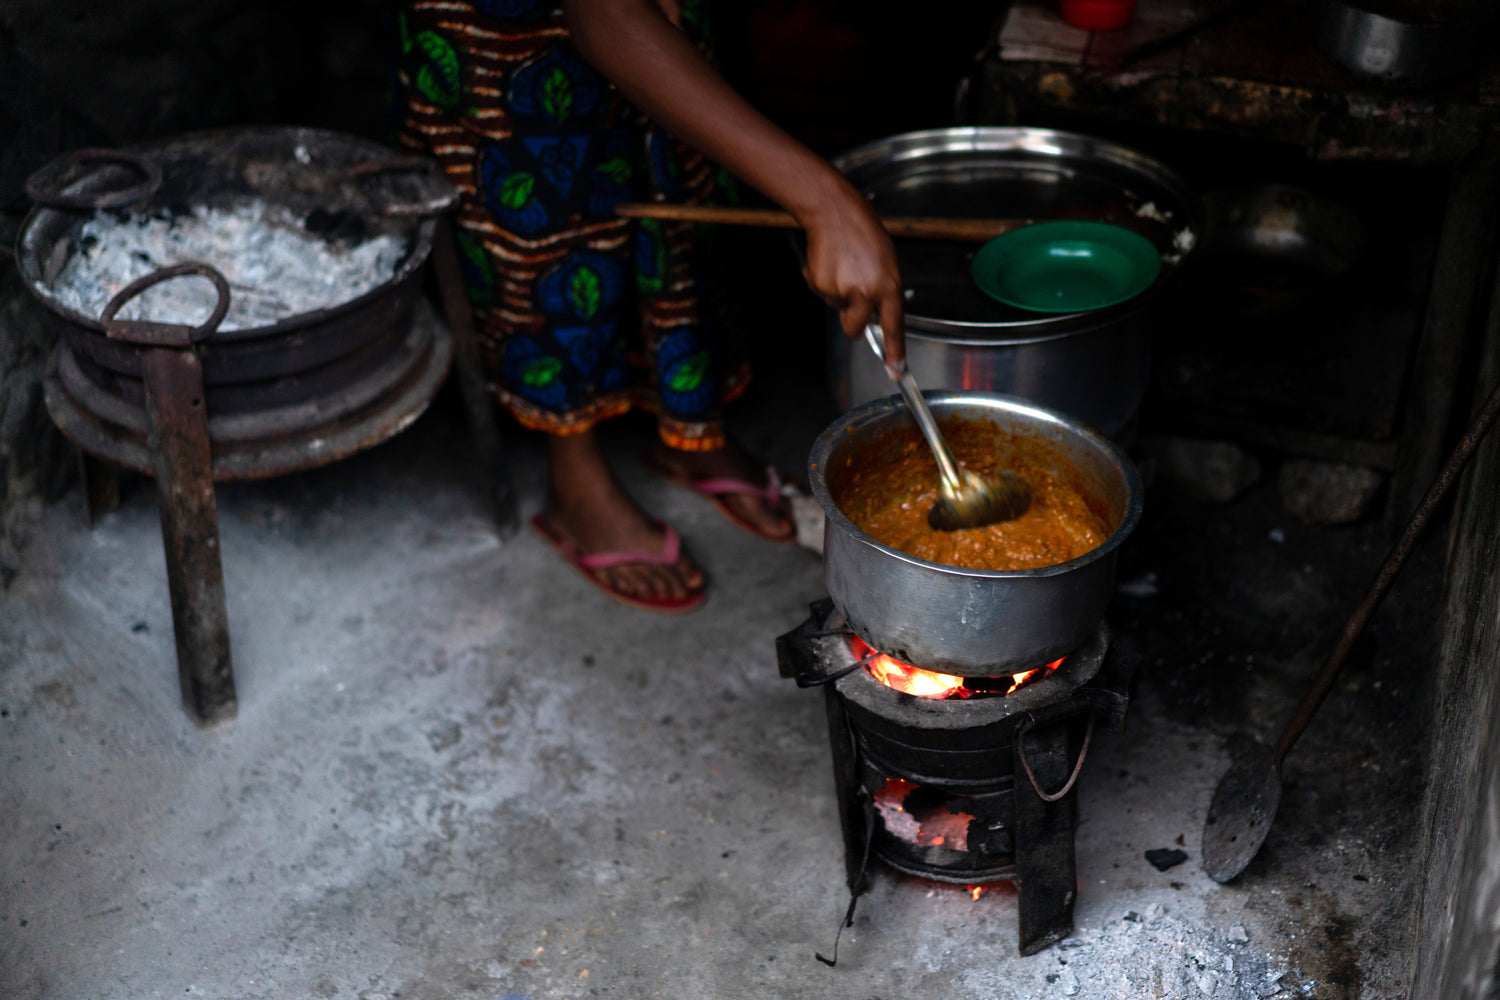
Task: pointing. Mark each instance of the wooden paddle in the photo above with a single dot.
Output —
(913, 226)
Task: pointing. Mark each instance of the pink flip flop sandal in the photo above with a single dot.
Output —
(717, 490)
(590, 565)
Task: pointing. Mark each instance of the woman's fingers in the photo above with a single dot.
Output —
(893, 322)
(854, 313)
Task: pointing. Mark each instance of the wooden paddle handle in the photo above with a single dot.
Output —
(913, 226)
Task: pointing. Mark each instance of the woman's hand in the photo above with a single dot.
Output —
(851, 265)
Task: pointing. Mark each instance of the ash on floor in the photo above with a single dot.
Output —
(459, 771)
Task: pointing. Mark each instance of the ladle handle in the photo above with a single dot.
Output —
(1394, 560)
(947, 467)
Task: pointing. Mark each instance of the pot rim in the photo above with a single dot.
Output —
(1045, 144)
(941, 399)
(980, 334)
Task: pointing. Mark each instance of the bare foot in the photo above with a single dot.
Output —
(589, 507)
(773, 520)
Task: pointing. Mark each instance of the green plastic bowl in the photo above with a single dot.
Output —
(1066, 266)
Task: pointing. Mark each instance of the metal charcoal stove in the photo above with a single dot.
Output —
(194, 405)
(970, 780)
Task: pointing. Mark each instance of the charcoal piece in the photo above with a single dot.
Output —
(342, 225)
(1164, 858)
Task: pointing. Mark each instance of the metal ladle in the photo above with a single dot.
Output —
(1247, 796)
(965, 500)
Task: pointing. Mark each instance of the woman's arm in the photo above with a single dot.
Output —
(851, 263)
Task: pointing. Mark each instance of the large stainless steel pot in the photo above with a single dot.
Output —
(1090, 365)
(961, 621)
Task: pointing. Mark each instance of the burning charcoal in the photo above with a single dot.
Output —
(1164, 858)
(1211, 471)
(1327, 493)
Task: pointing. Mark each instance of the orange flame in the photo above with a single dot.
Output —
(976, 891)
(928, 683)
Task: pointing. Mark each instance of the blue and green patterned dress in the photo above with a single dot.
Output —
(581, 315)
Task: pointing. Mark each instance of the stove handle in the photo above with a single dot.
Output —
(151, 333)
(437, 195)
(1025, 727)
(48, 185)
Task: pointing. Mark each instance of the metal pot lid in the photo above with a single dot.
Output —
(1002, 172)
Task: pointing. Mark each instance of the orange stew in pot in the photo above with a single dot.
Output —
(888, 490)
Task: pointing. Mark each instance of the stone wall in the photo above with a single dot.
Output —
(1457, 945)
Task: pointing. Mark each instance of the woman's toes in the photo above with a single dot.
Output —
(688, 572)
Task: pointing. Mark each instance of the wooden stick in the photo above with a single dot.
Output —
(913, 226)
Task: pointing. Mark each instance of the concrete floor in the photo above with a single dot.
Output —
(460, 771)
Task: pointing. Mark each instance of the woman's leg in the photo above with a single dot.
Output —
(692, 334)
(533, 139)
(587, 505)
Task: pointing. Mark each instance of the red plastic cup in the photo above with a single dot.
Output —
(1097, 15)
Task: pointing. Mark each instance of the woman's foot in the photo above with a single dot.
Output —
(588, 507)
(769, 518)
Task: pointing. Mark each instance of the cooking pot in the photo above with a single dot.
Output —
(1091, 365)
(978, 623)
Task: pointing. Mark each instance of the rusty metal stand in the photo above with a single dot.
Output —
(171, 384)
(178, 440)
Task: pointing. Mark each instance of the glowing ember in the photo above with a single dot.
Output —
(976, 891)
(922, 683)
(893, 815)
(928, 683)
(933, 824)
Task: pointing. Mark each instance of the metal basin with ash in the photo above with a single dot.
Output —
(262, 381)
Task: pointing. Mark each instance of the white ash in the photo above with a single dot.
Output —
(275, 268)
(1156, 954)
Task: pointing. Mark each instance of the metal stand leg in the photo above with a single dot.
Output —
(853, 819)
(1046, 875)
(190, 530)
(484, 430)
(101, 487)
